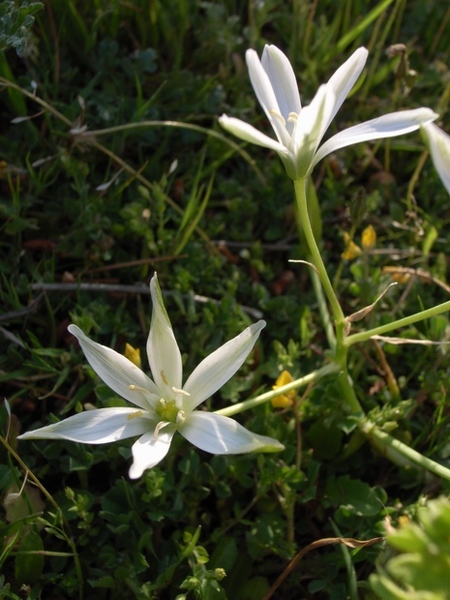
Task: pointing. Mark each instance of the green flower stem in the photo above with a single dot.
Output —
(394, 449)
(421, 316)
(400, 453)
(302, 205)
(323, 309)
(262, 398)
(335, 339)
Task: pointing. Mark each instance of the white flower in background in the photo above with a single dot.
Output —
(165, 405)
(300, 130)
(438, 143)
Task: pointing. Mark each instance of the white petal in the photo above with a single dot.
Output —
(162, 348)
(311, 127)
(222, 435)
(98, 426)
(438, 143)
(282, 77)
(218, 367)
(345, 78)
(149, 450)
(248, 133)
(386, 126)
(266, 96)
(117, 371)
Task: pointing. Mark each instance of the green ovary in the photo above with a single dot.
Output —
(168, 410)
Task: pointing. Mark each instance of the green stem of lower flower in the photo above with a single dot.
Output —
(302, 206)
(400, 453)
(420, 316)
(350, 403)
(229, 411)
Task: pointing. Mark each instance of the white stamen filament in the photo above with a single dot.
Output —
(277, 115)
(158, 428)
(138, 413)
(136, 388)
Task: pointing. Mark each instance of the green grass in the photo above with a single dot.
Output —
(215, 218)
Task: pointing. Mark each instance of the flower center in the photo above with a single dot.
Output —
(168, 410)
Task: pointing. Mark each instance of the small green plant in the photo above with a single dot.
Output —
(416, 563)
(16, 22)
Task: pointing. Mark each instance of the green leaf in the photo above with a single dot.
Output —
(354, 496)
(29, 562)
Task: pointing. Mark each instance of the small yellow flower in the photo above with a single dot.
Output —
(351, 251)
(287, 399)
(368, 241)
(368, 238)
(133, 354)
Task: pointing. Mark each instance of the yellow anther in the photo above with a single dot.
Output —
(164, 378)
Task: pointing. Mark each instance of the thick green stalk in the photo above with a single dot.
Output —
(302, 206)
(351, 403)
(336, 337)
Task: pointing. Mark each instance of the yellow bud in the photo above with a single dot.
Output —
(133, 354)
(351, 251)
(368, 238)
(283, 400)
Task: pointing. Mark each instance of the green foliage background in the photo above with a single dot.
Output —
(214, 219)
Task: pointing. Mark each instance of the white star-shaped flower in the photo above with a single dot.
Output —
(300, 130)
(163, 405)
